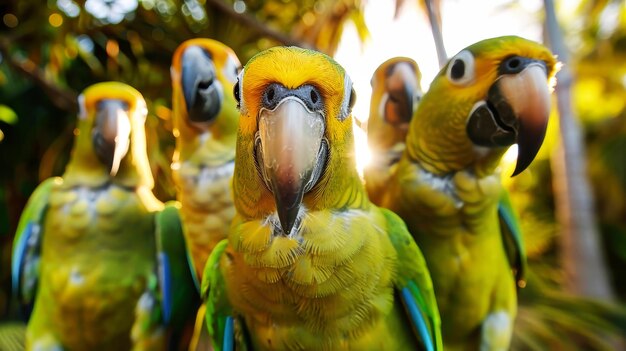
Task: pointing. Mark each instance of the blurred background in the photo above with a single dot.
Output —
(571, 201)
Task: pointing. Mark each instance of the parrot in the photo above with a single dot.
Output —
(99, 263)
(396, 91)
(205, 118)
(309, 262)
(447, 184)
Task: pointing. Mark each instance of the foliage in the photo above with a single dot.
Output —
(601, 102)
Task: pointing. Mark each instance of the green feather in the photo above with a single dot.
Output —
(413, 273)
(512, 238)
(214, 296)
(25, 278)
(171, 241)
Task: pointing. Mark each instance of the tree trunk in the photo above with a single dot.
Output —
(434, 16)
(582, 255)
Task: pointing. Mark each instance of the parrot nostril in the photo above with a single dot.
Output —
(314, 96)
(205, 84)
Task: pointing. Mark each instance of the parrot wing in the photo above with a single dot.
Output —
(227, 332)
(177, 282)
(27, 247)
(512, 238)
(414, 285)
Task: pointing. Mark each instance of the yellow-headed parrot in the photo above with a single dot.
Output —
(447, 187)
(204, 72)
(98, 262)
(396, 92)
(310, 263)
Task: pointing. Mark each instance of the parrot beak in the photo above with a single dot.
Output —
(290, 147)
(401, 86)
(111, 135)
(202, 91)
(516, 110)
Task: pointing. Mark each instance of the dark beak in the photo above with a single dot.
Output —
(401, 86)
(290, 147)
(516, 110)
(111, 133)
(202, 91)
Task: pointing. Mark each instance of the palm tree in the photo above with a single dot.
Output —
(582, 256)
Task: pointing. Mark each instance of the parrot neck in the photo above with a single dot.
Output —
(481, 163)
(437, 157)
(85, 169)
(339, 187)
(211, 145)
(78, 173)
(437, 138)
(204, 150)
(445, 148)
(488, 160)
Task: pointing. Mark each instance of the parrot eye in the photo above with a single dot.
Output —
(461, 68)
(237, 90)
(236, 93)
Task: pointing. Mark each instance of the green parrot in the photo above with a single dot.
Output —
(205, 115)
(396, 92)
(310, 263)
(98, 262)
(447, 187)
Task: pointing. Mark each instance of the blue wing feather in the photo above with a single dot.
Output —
(18, 258)
(178, 290)
(165, 278)
(414, 286)
(417, 319)
(27, 246)
(229, 334)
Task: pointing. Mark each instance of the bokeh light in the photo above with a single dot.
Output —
(110, 11)
(55, 20)
(69, 7)
(10, 20)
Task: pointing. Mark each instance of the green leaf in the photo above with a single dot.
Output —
(7, 115)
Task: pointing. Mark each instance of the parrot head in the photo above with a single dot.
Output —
(295, 146)
(110, 138)
(489, 96)
(203, 74)
(396, 92)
